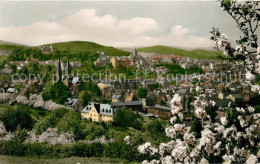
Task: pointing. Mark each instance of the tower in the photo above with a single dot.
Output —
(68, 68)
(58, 72)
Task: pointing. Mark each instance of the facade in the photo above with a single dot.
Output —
(98, 112)
(163, 112)
(103, 60)
(237, 98)
(47, 50)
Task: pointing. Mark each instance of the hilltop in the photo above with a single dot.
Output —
(197, 53)
(90, 47)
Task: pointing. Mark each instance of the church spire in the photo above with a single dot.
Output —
(68, 68)
(58, 72)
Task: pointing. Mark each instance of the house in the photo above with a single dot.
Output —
(163, 112)
(222, 95)
(166, 61)
(103, 60)
(73, 104)
(223, 103)
(183, 92)
(117, 98)
(134, 105)
(10, 90)
(237, 98)
(98, 112)
(106, 89)
(165, 82)
(47, 50)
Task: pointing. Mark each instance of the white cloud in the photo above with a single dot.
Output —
(86, 25)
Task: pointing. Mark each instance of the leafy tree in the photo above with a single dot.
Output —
(142, 92)
(156, 130)
(58, 92)
(14, 117)
(127, 118)
(196, 127)
(84, 98)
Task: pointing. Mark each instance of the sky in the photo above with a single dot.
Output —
(114, 23)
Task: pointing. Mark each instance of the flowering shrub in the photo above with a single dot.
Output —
(234, 138)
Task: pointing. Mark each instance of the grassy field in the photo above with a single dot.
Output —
(81, 46)
(9, 47)
(198, 53)
(42, 160)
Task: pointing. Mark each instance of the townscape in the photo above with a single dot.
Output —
(86, 102)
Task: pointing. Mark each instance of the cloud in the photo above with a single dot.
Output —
(86, 25)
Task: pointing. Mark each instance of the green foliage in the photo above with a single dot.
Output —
(196, 127)
(177, 69)
(20, 134)
(254, 99)
(63, 119)
(198, 53)
(58, 92)
(142, 92)
(91, 130)
(3, 60)
(122, 150)
(116, 150)
(127, 118)
(9, 47)
(156, 130)
(212, 112)
(12, 117)
(81, 46)
(84, 97)
(232, 117)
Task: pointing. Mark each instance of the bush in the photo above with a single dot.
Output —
(127, 118)
(13, 117)
(142, 92)
(63, 119)
(84, 97)
(57, 92)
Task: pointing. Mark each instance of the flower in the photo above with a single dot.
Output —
(204, 161)
(223, 120)
(251, 160)
(127, 140)
(258, 50)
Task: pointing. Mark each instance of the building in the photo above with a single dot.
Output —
(73, 104)
(163, 112)
(237, 98)
(103, 60)
(47, 50)
(117, 98)
(134, 105)
(98, 112)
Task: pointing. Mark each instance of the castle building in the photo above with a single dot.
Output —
(47, 50)
(98, 112)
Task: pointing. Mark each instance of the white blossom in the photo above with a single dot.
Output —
(224, 120)
(252, 159)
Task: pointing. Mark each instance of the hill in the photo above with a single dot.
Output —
(197, 53)
(9, 45)
(82, 46)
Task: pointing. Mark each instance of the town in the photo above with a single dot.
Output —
(149, 96)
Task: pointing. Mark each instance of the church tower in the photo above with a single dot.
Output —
(58, 72)
(68, 68)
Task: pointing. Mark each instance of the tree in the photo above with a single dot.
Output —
(142, 92)
(14, 117)
(196, 127)
(58, 92)
(224, 141)
(84, 98)
(127, 118)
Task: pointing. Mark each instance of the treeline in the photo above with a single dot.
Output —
(112, 150)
